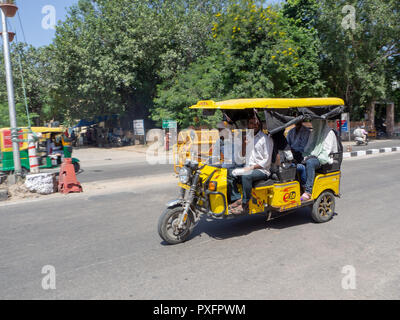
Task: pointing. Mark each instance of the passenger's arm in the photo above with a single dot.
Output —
(289, 138)
(328, 148)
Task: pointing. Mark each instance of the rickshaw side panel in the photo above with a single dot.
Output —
(280, 197)
(323, 182)
(286, 196)
(24, 154)
(47, 163)
(7, 161)
(260, 198)
(219, 201)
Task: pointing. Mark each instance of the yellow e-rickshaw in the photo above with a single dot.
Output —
(204, 186)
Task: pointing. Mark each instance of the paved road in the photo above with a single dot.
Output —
(121, 170)
(109, 170)
(374, 144)
(107, 247)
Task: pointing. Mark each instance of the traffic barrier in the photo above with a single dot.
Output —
(33, 160)
(67, 182)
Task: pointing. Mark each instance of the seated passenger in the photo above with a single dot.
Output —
(297, 139)
(257, 168)
(318, 152)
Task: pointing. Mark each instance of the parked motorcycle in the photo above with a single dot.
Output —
(115, 140)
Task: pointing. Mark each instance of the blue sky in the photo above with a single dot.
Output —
(32, 19)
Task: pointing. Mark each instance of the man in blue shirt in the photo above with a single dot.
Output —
(297, 139)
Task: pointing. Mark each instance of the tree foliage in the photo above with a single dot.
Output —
(154, 58)
(36, 72)
(111, 55)
(252, 52)
(354, 59)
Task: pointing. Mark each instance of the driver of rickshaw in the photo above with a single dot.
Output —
(227, 152)
(54, 146)
(257, 168)
(223, 151)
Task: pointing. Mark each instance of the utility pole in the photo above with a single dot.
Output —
(10, 93)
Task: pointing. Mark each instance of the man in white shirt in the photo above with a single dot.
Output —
(257, 168)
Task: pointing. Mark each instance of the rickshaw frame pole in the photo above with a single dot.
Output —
(11, 98)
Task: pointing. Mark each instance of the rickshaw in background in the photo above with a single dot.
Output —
(52, 146)
(204, 186)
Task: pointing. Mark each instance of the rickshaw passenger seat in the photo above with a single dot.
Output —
(335, 166)
(329, 168)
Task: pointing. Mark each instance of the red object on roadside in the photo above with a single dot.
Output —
(67, 182)
(7, 139)
(167, 141)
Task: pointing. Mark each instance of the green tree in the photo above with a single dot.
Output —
(111, 55)
(35, 67)
(252, 52)
(22, 118)
(301, 12)
(354, 59)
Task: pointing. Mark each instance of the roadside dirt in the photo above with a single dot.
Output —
(19, 193)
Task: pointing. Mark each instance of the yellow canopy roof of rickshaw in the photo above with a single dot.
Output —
(268, 103)
(41, 129)
(48, 130)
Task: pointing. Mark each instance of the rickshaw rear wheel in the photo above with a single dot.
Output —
(168, 223)
(324, 208)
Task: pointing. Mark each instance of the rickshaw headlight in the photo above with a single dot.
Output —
(212, 186)
(184, 175)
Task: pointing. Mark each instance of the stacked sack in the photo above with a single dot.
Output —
(43, 183)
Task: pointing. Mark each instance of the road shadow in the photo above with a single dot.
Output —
(242, 226)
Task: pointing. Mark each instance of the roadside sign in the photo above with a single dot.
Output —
(169, 124)
(345, 127)
(138, 127)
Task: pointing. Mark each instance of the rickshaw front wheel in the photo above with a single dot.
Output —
(324, 208)
(168, 226)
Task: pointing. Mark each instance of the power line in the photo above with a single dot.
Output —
(22, 28)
